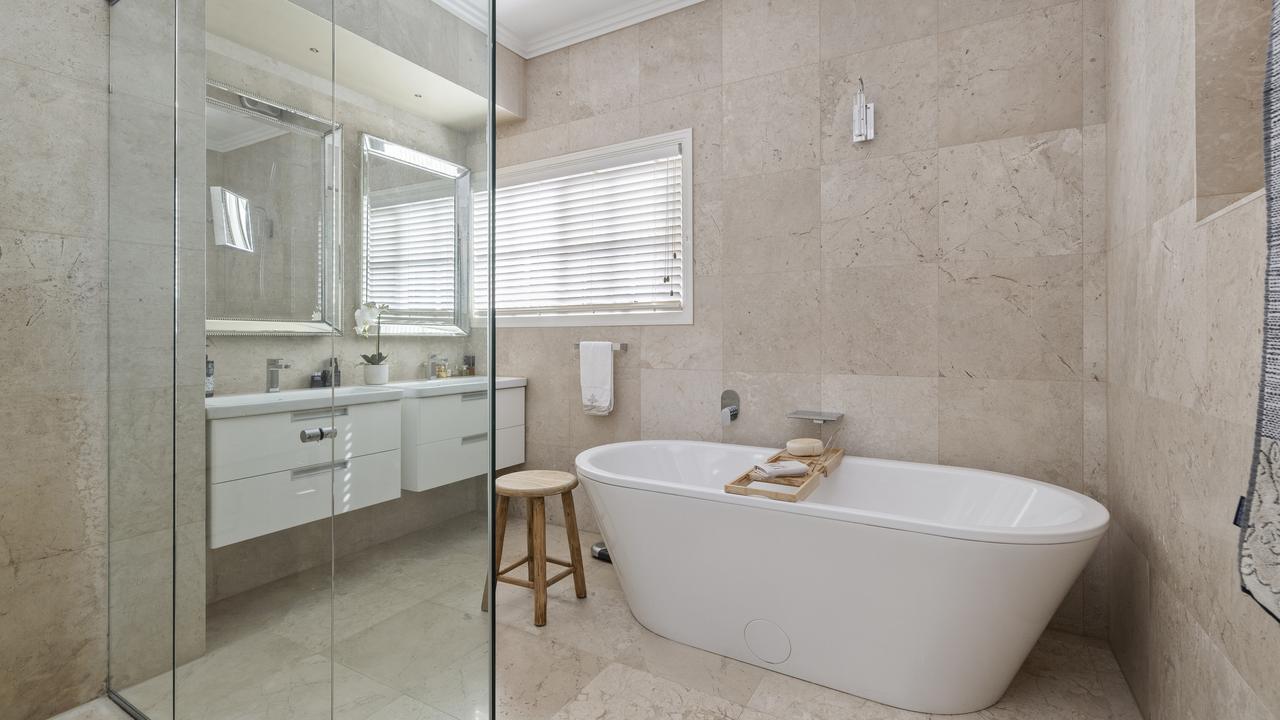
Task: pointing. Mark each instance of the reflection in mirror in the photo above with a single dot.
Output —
(416, 238)
(266, 167)
(232, 226)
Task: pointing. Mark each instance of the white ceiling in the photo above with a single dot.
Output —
(285, 31)
(533, 27)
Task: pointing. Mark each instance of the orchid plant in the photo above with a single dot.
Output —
(367, 316)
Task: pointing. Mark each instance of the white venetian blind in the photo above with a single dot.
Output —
(410, 256)
(591, 235)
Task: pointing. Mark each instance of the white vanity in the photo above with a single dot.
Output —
(418, 435)
(445, 429)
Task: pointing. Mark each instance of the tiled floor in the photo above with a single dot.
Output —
(410, 643)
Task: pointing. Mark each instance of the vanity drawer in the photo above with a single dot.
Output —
(366, 480)
(250, 507)
(447, 461)
(247, 508)
(260, 444)
(446, 417)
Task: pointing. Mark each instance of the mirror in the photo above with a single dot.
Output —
(416, 239)
(273, 250)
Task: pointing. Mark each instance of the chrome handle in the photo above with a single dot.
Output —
(317, 469)
(477, 395)
(305, 415)
(475, 438)
(317, 434)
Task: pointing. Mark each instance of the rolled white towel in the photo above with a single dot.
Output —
(784, 468)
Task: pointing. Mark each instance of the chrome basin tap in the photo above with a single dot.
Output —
(274, 366)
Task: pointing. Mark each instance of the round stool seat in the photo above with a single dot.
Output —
(536, 483)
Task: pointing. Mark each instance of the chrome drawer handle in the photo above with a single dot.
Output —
(310, 470)
(475, 438)
(317, 434)
(305, 415)
(477, 395)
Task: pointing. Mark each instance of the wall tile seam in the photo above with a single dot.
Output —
(833, 59)
(17, 565)
(97, 87)
(1159, 576)
(93, 237)
(1031, 11)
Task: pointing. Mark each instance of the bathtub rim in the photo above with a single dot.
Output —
(1092, 523)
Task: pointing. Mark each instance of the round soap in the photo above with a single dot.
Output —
(804, 447)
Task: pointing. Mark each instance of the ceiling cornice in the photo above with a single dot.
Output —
(476, 14)
(597, 25)
(589, 26)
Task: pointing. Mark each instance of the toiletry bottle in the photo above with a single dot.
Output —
(208, 377)
(325, 379)
(337, 374)
(317, 380)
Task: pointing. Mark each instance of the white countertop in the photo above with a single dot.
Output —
(453, 385)
(233, 406)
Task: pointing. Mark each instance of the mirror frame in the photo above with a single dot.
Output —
(407, 321)
(329, 299)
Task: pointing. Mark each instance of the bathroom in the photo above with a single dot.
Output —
(282, 380)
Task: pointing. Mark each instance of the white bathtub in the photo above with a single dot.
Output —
(918, 586)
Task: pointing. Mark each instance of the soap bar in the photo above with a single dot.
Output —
(804, 447)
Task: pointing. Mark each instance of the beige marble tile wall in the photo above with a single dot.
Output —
(155, 422)
(53, 285)
(1231, 51)
(1184, 323)
(943, 285)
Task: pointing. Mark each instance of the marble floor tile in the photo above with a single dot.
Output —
(413, 645)
(427, 652)
(100, 709)
(623, 693)
(696, 669)
(537, 676)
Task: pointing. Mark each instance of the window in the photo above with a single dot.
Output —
(594, 238)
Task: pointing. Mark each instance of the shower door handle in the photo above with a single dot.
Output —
(317, 434)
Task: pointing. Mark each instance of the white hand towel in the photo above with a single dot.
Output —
(597, 377)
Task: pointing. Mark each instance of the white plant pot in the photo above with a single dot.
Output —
(376, 374)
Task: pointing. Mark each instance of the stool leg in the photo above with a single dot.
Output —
(538, 557)
(575, 545)
(528, 533)
(499, 534)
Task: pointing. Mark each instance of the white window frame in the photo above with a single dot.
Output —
(577, 162)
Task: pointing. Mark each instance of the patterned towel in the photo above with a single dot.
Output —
(1260, 529)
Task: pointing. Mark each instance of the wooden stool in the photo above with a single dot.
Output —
(536, 485)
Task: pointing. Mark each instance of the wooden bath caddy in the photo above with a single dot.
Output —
(819, 467)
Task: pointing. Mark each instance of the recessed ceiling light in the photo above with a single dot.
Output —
(315, 50)
(417, 95)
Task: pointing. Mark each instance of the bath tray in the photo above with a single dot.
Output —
(819, 467)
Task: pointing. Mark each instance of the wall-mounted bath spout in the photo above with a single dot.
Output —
(729, 404)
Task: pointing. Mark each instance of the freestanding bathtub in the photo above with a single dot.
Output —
(918, 586)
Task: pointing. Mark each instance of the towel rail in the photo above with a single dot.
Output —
(617, 347)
